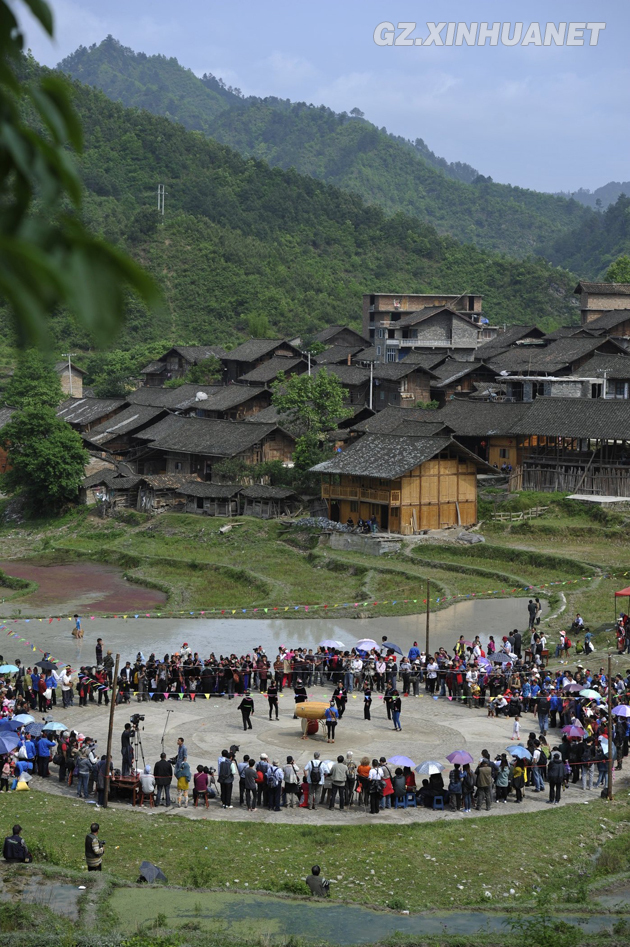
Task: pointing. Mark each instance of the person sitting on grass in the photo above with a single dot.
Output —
(15, 848)
(319, 887)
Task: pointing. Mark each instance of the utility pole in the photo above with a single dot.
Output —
(309, 362)
(69, 355)
(426, 644)
(610, 733)
(110, 731)
(161, 192)
(371, 382)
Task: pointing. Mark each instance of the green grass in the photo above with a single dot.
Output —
(423, 864)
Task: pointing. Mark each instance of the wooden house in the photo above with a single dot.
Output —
(212, 499)
(111, 490)
(454, 378)
(193, 446)
(249, 355)
(599, 298)
(340, 335)
(177, 362)
(408, 483)
(268, 371)
(83, 414)
(115, 435)
(158, 493)
(269, 502)
(485, 428)
(232, 403)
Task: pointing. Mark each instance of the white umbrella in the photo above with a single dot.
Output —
(366, 644)
(430, 768)
(331, 643)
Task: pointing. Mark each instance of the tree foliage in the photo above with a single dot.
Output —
(619, 271)
(47, 256)
(46, 458)
(593, 246)
(34, 382)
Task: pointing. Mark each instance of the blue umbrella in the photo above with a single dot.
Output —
(55, 726)
(500, 657)
(8, 742)
(520, 751)
(35, 729)
(9, 669)
(9, 724)
(24, 718)
(390, 646)
(401, 761)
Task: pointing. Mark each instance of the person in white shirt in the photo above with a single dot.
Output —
(432, 674)
(147, 781)
(67, 696)
(357, 667)
(375, 777)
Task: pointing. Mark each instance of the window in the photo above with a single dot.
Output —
(378, 350)
(200, 503)
(382, 395)
(178, 465)
(381, 333)
(620, 389)
(504, 453)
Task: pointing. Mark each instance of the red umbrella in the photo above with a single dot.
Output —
(574, 732)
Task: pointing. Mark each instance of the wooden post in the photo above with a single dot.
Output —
(110, 730)
(426, 645)
(610, 732)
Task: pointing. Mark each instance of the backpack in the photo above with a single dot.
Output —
(274, 777)
(225, 770)
(316, 773)
(468, 782)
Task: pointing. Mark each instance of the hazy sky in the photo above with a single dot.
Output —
(549, 118)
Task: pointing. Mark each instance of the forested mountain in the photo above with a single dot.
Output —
(601, 197)
(345, 150)
(242, 239)
(597, 242)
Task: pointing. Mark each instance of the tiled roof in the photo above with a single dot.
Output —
(338, 354)
(153, 368)
(219, 491)
(421, 429)
(254, 349)
(391, 417)
(608, 321)
(389, 456)
(392, 371)
(86, 410)
(331, 331)
(615, 366)
(564, 332)
(259, 491)
(503, 340)
(231, 397)
(63, 367)
(125, 422)
(424, 359)
(593, 418)
(166, 481)
(481, 418)
(175, 399)
(202, 436)
(452, 369)
(198, 353)
(603, 289)
(560, 354)
(347, 374)
(268, 371)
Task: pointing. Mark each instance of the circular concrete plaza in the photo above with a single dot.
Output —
(430, 729)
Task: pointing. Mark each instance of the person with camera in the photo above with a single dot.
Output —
(126, 749)
(94, 849)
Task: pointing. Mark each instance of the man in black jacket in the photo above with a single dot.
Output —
(246, 708)
(15, 848)
(163, 773)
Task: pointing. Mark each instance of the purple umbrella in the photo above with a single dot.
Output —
(572, 688)
(9, 724)
(622, 710)
(460, 756)
(401, 761)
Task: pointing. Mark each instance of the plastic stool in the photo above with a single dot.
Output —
(400, 802)
(438, 802)
(410, 800)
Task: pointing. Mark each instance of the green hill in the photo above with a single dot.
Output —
(592, 246)
(340, 149)
(240, 238)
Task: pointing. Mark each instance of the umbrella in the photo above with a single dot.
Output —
(468, 644)
(430, 768)
(151, 873)
(622, 710)
(572, 688)
(460, 756)
(24, 718)
(8, 742)
(331, 643)
(8, 669)
(401, 761)
(520, 751)
(604, 743)
(574, 732)
(483, 662)
(46, 665)
(35, 729)
(575, 726)
(9, 724)
(55, 726)
(390, 646)
(590, 694)
(500, 657)
(366, 644)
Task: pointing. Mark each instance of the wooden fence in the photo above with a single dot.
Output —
(520, 516)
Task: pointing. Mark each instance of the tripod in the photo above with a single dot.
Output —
(137, 748)
(165, 726)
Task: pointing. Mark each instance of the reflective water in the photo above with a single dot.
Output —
(226, 635)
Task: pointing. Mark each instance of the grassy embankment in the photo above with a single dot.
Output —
(265, 565)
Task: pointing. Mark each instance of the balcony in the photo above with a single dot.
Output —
(337, 492)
